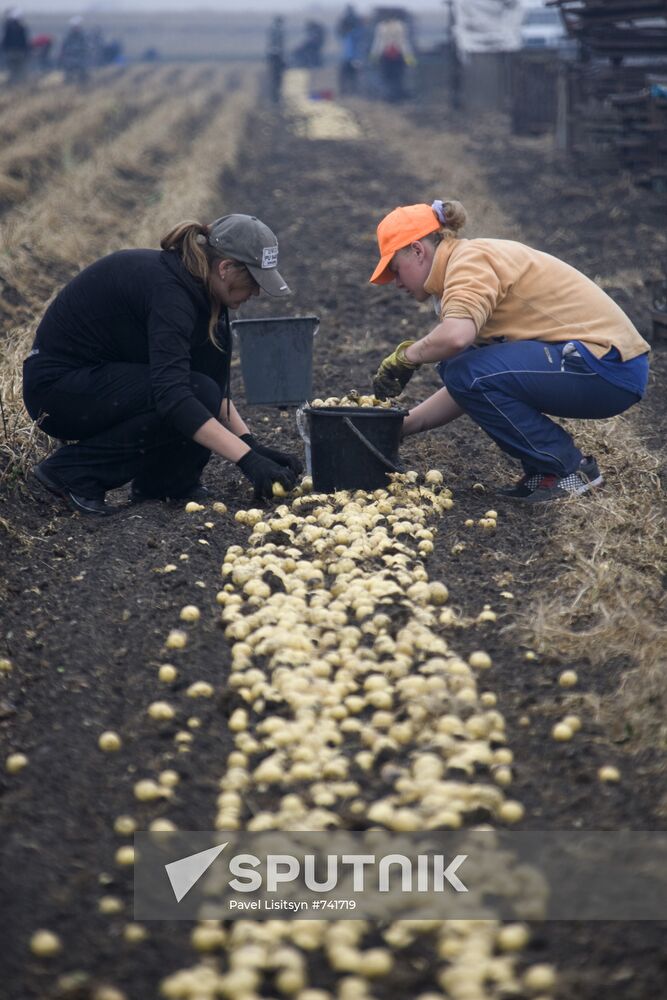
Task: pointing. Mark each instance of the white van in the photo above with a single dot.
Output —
(542, 28)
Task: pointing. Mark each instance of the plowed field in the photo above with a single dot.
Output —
(88, 607)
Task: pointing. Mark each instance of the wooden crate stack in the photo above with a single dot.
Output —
(615, 114)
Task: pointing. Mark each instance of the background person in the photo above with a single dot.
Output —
(392, 50)
(41, 47)
(308, 55)
(275, 57)
(521, 335)
(15, 45)
(351, 30)
(131, 361)
(75, 52)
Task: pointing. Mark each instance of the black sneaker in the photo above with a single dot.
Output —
(523, 488)
(198, 492)
(552, 487)
(85, 505)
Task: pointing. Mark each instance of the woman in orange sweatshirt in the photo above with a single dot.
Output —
(522, 336)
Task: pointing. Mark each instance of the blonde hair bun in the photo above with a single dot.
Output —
(455, 215)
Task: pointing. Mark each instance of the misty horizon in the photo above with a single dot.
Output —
(218, 6)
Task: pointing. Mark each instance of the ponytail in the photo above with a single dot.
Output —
(190, 240)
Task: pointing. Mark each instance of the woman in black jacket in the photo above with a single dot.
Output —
(131, 363)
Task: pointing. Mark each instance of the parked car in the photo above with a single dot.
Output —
(542, 27)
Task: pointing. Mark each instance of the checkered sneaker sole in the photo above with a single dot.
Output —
(531, 482)
(523, 488)
(578, 482)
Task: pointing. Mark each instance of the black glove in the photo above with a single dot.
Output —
(394, 373)
(263, 473)
(280, 457)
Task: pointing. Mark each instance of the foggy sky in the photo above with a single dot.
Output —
(222, 6)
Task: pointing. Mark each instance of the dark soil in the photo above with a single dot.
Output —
(87, 611)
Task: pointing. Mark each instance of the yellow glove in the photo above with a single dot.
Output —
(394, 373)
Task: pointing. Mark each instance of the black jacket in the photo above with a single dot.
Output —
(14, 37)
(144, 307)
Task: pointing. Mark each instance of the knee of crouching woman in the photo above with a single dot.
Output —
(207, 391)
(456, 374)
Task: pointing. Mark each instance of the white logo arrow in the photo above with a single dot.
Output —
(452, 877)
(186, 872)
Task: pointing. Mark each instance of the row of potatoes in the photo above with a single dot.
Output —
(353, 398)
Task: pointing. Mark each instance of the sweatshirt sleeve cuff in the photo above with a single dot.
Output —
(457, 311)
(188, 416)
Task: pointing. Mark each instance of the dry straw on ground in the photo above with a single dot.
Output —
(608, 557)
(120, 194)
(34, 155)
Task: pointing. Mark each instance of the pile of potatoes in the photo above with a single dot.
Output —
(331, 614)
(353, 398)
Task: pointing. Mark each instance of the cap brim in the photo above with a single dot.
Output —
(270, 280)
(382, 275)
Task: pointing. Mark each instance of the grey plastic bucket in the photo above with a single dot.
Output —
(353, 448)
(277, 358)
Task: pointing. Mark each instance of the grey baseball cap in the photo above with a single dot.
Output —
(246, 239)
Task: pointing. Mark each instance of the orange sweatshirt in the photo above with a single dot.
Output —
(510, 290)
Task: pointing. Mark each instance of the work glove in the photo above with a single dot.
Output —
(280, 457)
(394, 373)
(263, 473)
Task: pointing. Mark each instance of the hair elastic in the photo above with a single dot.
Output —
(438, 207)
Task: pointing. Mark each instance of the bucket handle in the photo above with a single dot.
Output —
(371, 447)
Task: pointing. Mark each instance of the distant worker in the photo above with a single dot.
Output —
(351, 30)
(42, 46)
(15, 45)
(275, 57)
(349, 19)
(308, 55)
(131, 366)
(521, 337)
(75, 52)
(392, 50)
(113, 53)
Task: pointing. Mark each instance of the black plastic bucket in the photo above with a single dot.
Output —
(277, 358)
(353, 448)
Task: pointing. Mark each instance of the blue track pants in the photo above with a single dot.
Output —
(508, 389)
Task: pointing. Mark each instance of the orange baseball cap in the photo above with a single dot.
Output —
(399, 229)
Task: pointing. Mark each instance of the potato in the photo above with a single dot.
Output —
(109, 742)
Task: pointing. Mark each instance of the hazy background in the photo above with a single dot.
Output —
(220, 30)
(221, 6)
